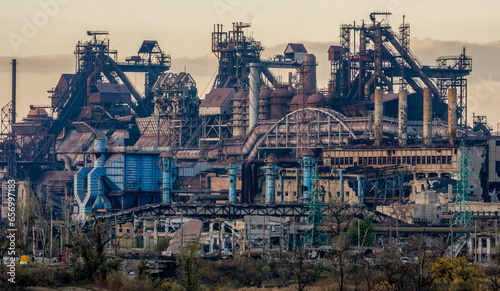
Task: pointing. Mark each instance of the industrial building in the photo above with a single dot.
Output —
(387, 132)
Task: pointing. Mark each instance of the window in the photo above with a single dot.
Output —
(286, 193)
(433, 160)
(128, 230)
(120, 230)
(384, 161)
(429, 160)
(351, 160)
(418, 160)
(399, 160)
(393, 160)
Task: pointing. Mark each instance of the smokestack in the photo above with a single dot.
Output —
(378, 116)
(310, 74)
(452, 114)
(14, 64)
(254, 95)
(427, 124)
(403, 117)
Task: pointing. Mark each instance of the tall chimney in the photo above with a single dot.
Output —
(14, 64)
(253, 99)
(403, 117)
(452, 114)
(427, 121)
(310, 74)
(378, 116)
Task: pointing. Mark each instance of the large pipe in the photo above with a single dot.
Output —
(307, 166)
(253, 104)
(361, 193)
(167, 165)
(270, 179)
(341, 184)
(232, 179)
(427, 122)
(378, 116)
(14, 77)
(403, 118)
(452, 114)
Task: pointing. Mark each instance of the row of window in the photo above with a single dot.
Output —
(405, 160)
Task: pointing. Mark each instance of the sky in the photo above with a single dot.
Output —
(42, 35)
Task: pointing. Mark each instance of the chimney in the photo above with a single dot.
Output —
(403, 118)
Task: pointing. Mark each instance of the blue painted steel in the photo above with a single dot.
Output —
(79, 191)
(361, 193)
(270, 183)
(341, 185)
(167, 166)
(307, 166)
(232, 183)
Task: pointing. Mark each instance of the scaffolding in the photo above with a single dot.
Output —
(315, 234)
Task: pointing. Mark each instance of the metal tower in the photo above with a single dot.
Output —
(462, 216)
(314, 235)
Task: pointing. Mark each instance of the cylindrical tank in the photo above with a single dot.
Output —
(315, 100)
(378, 116)
(278, 103)
(232, 179)
(309, 74)
(265, 94)
(403, 117)
(270, 179)
(452, 114)
(238, 111)
(427, 122)
(307, 167)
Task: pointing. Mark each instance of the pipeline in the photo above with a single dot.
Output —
(249, 180)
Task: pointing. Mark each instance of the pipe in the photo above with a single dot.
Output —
(270, 180)
(307, 165)
(367, 86)
(253, 104)
(67, 162)
(281, 186)
(96, 176)
(361, 193)
(14, 81)
(427, 121)
(232, 180)
(167, 165)
(247, 178)
(452, 114)
(403, 118)
(341, 185)
(378, 116)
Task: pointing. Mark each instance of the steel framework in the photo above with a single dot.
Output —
(462, 216)
(315, 235)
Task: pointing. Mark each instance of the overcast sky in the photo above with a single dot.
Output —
(42, 35)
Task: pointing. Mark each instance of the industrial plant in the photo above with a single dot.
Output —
(252, 165)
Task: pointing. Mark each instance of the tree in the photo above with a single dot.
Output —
(191, 275)
(162, 244)
(456, 273)
(423, 253)
(88, 251)
(339, 215)
(492, 273)
(303, 272)
(365, 230)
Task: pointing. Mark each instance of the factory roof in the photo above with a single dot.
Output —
(216, 97)
(295, 48)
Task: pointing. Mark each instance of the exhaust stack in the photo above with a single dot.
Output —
(427, 122)
(452, 114)
(253, 103)
(378, 116)
(403, 117)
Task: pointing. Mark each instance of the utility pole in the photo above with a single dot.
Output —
(116, 239)
(359, 236)
(51, 234)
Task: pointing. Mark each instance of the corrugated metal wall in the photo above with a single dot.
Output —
(142, 173)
